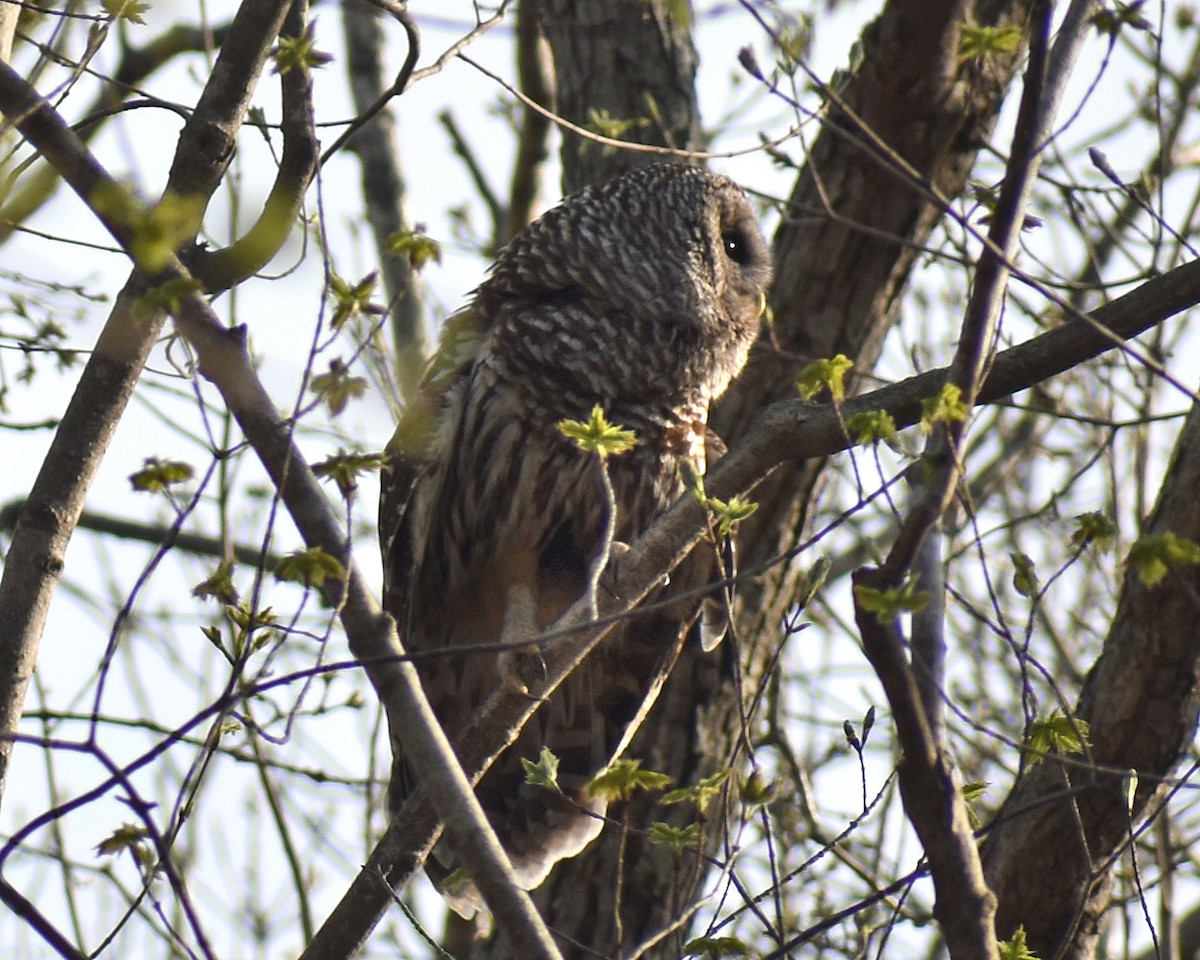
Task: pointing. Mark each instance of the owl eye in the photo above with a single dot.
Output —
(737, 248)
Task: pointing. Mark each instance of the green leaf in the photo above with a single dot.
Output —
(729, 513)
(614, 128)
(1025, 578)
(946, 407)
(129, 837)
(973, 790)
(983, 43)
(813, 581)
(891, 602)
(544, 773)
(871, 426)
(1015, 948)
(344, 469)
(757, 792)
(413, 244)
(1055, 734)
(1154, 556)
(352, 300)
(300, 52)
(1112, 21)
(219, 586)
(157, 475)
(619, 781)
(677, 839)
(701, 794)
(131, 11)
(252, 626)
(715, 948)
(251, 619)
(311, 567)
(157, 231)
(1094, 528)
(794, 42)
(825, 375)
(337, 387)
(972, 793)
(597, 435)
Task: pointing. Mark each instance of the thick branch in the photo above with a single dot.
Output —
(933, 802)
(221, 269)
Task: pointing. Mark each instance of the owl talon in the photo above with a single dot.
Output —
(520, 669)
(616, 550)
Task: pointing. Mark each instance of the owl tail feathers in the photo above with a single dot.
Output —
(536, 835)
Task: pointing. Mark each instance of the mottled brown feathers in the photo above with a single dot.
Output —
(642, 295)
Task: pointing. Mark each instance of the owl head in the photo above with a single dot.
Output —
(666, 239)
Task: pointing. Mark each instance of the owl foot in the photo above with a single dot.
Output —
(520, 667)
(616, 550)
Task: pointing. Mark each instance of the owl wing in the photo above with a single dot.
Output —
(422, 439)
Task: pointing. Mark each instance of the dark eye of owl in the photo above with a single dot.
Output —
(736, 247)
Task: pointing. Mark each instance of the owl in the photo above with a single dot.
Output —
(641, 295)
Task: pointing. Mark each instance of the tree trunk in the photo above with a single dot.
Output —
(1049, 856)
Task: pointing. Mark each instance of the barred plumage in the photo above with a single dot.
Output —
(642, 295)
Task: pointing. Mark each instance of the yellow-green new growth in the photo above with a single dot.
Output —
(1055, 734)
(596, 435)
(416, 246)
(872, 425)
(543, 773)
(983, 43)
(891, 602)
(728, 513)
(157, 475)
(351, 299)
(1025, 578)
(337, 387)
(1015, 948)
(344, 469)
(131, 11)
(945, 407)
(828, 375)
(1094, 529)
(1154, 556)
(311, 567)
(676, 839)
(701, 794)
(618, 781)
(299, 52)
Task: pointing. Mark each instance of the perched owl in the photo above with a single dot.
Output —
(642, 295)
